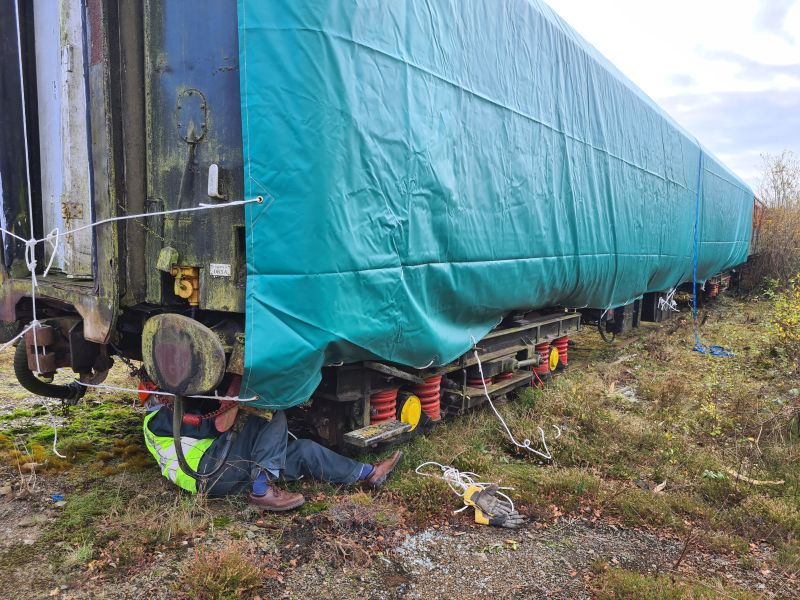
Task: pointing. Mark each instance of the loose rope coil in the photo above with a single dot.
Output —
(459, 481)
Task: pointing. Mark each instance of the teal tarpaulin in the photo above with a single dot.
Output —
(430, 166)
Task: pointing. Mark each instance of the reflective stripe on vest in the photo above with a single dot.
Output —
(163, 450)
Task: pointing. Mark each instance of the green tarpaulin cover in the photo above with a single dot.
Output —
(430, 166)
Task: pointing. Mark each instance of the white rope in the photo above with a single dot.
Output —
(667, 303)
(460, 481)
(53, 239)
(115, 388)
(55, 236)
(526, 443)
(13, 235)
(55, 432)
(16, 337)
(31, 242)
(173, 211)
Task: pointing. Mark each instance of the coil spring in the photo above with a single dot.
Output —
(383, 406)
(505, 376)
(430, 395)
(562, 344)
(543, 349)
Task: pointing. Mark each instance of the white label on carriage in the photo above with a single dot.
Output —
(220, 270)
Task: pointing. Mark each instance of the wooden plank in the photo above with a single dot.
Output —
(380, 432)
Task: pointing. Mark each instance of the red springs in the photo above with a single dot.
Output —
(383, 406)
(477, 382)
(430, 394)
(713, 290)
(544, 353)
(562, 344)
(503, 376)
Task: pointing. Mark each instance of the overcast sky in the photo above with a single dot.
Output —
(727, 70)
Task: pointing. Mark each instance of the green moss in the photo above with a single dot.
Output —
(313, 508)
(221, 521)
(20, 413)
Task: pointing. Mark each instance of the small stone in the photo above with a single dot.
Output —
(5, 490)
(28, 542)
(60, 504)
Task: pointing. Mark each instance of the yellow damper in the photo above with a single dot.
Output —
(553, 358)
(411, 411)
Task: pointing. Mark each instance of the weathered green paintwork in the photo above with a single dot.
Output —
(193, 121)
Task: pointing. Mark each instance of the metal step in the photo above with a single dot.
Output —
(372, 434)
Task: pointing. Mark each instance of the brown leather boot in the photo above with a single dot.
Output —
(276, 500)
(381, 470)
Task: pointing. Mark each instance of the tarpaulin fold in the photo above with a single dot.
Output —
(431, 166)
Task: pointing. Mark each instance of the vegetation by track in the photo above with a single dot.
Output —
(679, 471)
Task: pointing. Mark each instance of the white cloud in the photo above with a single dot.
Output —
(699, 57)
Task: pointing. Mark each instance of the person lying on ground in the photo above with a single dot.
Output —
(260, 455)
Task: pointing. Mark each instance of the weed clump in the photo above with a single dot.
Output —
(786, 320)
(220, 574)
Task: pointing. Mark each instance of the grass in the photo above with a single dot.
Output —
(638, 413)
(618, 584)
(120, 521)
(634, 415)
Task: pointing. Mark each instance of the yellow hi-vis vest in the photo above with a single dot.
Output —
(163, 450)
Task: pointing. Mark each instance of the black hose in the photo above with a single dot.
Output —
(27, 379)
(177, 422)
(603, 335)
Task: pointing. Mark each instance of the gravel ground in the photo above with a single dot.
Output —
(483, 562)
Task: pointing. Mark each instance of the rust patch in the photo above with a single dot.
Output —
(94, 10)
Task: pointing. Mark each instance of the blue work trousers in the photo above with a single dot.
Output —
(263, 445)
